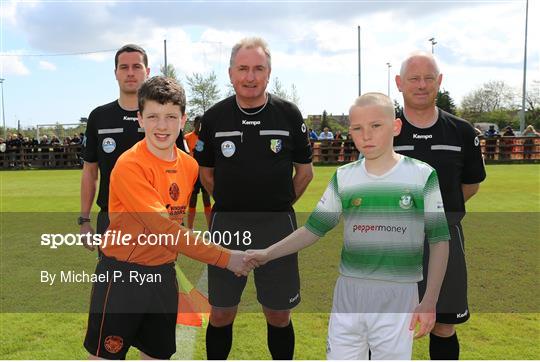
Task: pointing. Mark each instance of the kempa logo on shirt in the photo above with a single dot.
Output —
(461, 315)
(250, 123)
(134, 119)
(291, 300)
(363, 228)
(422, 136)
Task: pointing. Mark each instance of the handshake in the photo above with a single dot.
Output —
(242, 262)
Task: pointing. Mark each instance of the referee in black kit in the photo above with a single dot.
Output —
(450, 145)
(112, 129)
(248, 146)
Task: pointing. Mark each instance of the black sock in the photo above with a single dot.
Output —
(443, 348)
(281, 342)
(218, 342)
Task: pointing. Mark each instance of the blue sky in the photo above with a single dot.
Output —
(313, 43)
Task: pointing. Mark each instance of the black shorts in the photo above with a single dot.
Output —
(124, 313)
(277, 282)
(452, 306)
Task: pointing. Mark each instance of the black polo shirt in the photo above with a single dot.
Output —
(110, 131)
(253, 155)
(452, 148)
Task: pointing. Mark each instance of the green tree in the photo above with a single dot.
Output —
(170, 72)
(397, 107)
(203, 91)
(445, 102)
(324, 121)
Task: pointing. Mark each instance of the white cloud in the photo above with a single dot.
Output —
(46, 65)
(12, 65)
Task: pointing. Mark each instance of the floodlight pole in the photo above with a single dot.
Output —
(524, 90)
(389, 66)
(3, 110)
(433, 42)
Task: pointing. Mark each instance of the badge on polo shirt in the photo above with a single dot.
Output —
(199, 146)
(276, 145)
(108, 145)
(228, 148)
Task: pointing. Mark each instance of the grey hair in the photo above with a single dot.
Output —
(376, 99)
(415, 55)
(251, 43)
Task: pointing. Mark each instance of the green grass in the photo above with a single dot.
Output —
(501, 229)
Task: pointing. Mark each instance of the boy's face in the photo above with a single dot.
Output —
(373, 130)
(162, 124)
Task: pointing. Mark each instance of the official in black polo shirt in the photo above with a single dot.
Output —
(248, 147)
(450, 145)
(111, 129)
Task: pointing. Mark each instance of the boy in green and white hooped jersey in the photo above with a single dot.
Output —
(389, 203)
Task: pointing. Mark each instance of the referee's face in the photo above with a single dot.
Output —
(419, 83)
(249, 76)
(131, 72)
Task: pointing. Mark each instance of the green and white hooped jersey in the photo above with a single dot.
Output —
(385, 218)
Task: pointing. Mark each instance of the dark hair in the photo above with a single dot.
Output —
(162, 90)
(130, 48)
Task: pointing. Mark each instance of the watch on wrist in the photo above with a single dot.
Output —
(81, 220)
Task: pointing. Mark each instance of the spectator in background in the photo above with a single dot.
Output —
(338, 142)
(507, 143)
(348, 149)
(313, 135)
(491, 136)
(528, 144)
(326, 134)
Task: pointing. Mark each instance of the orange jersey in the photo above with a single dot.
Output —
(191, 139)
(148, 196)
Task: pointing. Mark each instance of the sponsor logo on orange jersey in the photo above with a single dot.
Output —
(174, 191)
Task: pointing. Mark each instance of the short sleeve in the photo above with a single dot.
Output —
(204, 152)
(302, 152)
(327, 212)
(90, 141)
(473, 169)
(436, 226)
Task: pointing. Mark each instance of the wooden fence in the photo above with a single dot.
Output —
(503, 149)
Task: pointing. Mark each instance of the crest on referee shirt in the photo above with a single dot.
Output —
(357, 202)
(199, 146)
(276, 145)
(228, 148)
(113, 344)
(108, 145)
(174, 191)
(406, 201)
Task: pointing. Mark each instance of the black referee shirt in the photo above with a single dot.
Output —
(253, 156)
(452, 148)
(110, 131)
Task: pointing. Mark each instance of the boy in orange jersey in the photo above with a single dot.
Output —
(192, 139)
(135, 297)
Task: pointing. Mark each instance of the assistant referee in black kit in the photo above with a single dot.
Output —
(111, 130)
(248, 147)
(450, 145)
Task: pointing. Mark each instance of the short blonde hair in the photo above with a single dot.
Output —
(251, 43)
(376, 99)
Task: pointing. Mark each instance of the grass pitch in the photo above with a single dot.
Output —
(501, 229)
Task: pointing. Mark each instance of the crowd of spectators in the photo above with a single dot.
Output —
(18, 151)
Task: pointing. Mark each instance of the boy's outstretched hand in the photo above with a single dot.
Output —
(257, 256)
(239, 264)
